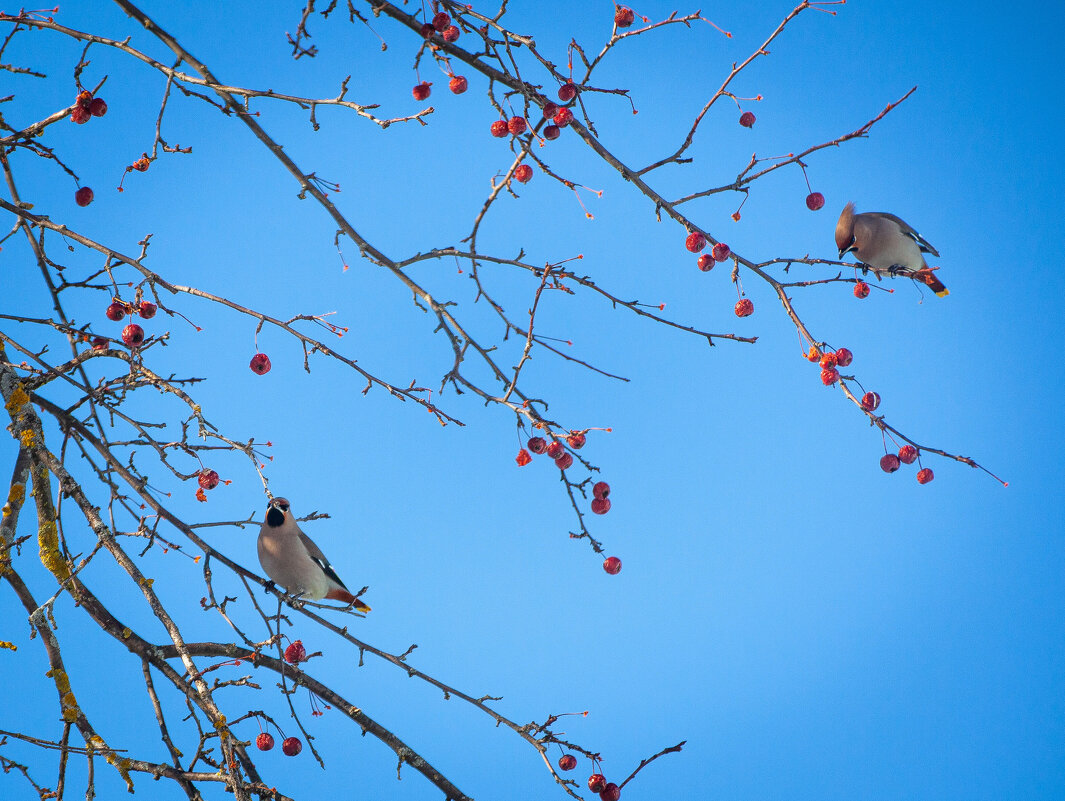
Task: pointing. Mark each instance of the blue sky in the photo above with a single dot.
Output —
(812, 627)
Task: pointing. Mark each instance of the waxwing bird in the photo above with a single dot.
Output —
(291, 559)
(884, 242)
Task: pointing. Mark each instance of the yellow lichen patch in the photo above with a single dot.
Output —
(147, 582)
(126, 633)
(8, 645)
(48, 544)
(27, 438)
(16, 495)
(62, 683)
(18, 399)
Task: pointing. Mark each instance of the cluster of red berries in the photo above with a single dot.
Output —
(290, 745)
(132, 334)
(86, 107)
(441, 24)
(556, 450)
(608, 791)
(558, 118)
(829, 361)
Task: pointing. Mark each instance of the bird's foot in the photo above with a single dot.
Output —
(269, 586)
(897, 269)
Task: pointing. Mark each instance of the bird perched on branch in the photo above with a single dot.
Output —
(291, 559)
(884, 242)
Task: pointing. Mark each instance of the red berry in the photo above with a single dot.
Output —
(861, 290)
(566, 92)
(907, 454)
(612, 565)
(451, 34)
(537, 444)
(563, 118)
(523, 458)
(600, 506)
(83, 99)
(147, 310)
(516, 125)
(457, 84)
(611, 792)
(814, 201)
(83, 197)
(889, 463)
(747, 119)
(441, 21)
(117, 310)
(567, 762)
(735, 216)
(576, 440)
(427, 30)
(870, 401)
(499, 128)
(291, 746)
(721, 251)
(208, 479)
(555, 449)
(260, 364)
(552, 132)
(80, 115)
(829, 376)
(550, 110)
(695, 242)
(523, 173)
(600, 490)
(744, 307)
(596, 782)
(624, 16)
(706, 262)
(98, 107)
(264, 742)
(421, 91)
(133, 336)
(295, 652)
(844, 357)
(829, 360)
(924, 475)
(100, 343)
(813, 355)
(564, 462)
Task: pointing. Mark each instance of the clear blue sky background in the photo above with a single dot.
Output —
(813, 627)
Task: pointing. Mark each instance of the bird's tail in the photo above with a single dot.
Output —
(927, 277)
(346, 597)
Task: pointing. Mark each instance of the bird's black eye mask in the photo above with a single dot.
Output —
(282, 506)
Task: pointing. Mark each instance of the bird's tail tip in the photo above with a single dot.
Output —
(346, 597)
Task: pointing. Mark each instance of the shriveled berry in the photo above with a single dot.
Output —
(552, 132)
(499, 128)
(100, 343)
(567, 762)
(624, 16)
(576, 440)
(861, 290)
(147, 310)
(555, 449)
(735, 216)
(421, 91)
(813, 355)
(291, 746)
(907, 454)
(141, 165)
(295, 652)
(563, 118)
(516, 125)
(889, 463)
(829, 360)
(596, 782)
(523, 458)
(870, 401)
(566, 92)
(600, 506)
(815, 201)
(523, 173)
(695, 242)
(457, 84)
(208, 479)
(924, 475)
(264, 742)
(747, 119)
(441, 21)
(451, 34)
(612, 565)
(721, 251)
(98, 107)
(600, 490)
(83, 197)
(84, 99)
(610, 793)
(706, 262)
(550, 110)
(80, 115)
(829, 376)
(260, 364)
(427, 30)
(564, 462)
(537, 444)
(117, 310)
(844, 357)
(744, 307)
(133, 336)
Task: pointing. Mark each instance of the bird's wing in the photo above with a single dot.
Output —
(922, 243)
(319, 559)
